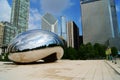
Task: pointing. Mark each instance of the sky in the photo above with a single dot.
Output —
(70, 9)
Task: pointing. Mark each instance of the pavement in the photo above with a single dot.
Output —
(114, 66)
(61, 70)
(118, 61)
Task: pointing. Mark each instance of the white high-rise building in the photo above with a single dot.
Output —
(99, 20)
(49, 23)
(63, 30)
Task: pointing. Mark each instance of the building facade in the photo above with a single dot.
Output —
(1, 33)
(72, 35)
(115, 42)
(80, 40)
(63, 30)
(49, 23)
(8, 32)
(99, 20)
(20, 14)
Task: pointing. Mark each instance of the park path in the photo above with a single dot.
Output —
(60, 70)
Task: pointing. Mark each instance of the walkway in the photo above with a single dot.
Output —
(60, 70)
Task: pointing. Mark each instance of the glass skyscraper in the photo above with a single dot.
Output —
(20, 14)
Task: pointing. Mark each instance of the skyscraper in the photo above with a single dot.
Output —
(72, 35)
(99, 20)
(20, 14)
(1, 33)
(49, 23)
(8, 32)
(63, 30)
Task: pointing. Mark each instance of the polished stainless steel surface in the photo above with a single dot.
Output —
(34, 39)
(34, 45)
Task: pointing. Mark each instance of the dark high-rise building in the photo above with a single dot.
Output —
(72, 35)
(20, 14)
(80, 40)
(99, 20)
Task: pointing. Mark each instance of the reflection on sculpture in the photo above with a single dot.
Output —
(34, 45)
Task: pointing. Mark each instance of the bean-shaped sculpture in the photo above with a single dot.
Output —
(34, 45)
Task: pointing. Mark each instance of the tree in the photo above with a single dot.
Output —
(100, 50)
(82, 52)
(89, 50)
(70, 53)
(66, 55)
(114, 51)
(86, 51)
(96, 48)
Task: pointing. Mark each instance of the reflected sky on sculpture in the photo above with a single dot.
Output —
(34, 45)
(34, 39)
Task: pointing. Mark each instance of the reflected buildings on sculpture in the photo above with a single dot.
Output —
(33, 40)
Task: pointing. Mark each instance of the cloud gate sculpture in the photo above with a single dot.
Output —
(34, 45)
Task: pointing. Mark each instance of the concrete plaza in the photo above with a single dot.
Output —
(61, 70)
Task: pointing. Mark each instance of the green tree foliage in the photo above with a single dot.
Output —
(82, 52)
(4, 57)
(86, 51)
(100, 50)
(114, 51)
(90, 52)
(70, 53)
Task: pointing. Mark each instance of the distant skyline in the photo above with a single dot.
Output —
(70, 9)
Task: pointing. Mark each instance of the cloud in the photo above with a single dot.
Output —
(5, 10)
(55, 6)
(118, 8)
(34, 19)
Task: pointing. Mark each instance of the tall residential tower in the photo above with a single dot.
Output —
(99, 20)
(20, 14)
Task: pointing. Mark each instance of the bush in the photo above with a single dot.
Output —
(100, 50)
(86, 51)
(5, 55)
(70, 53)
(114, 51)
